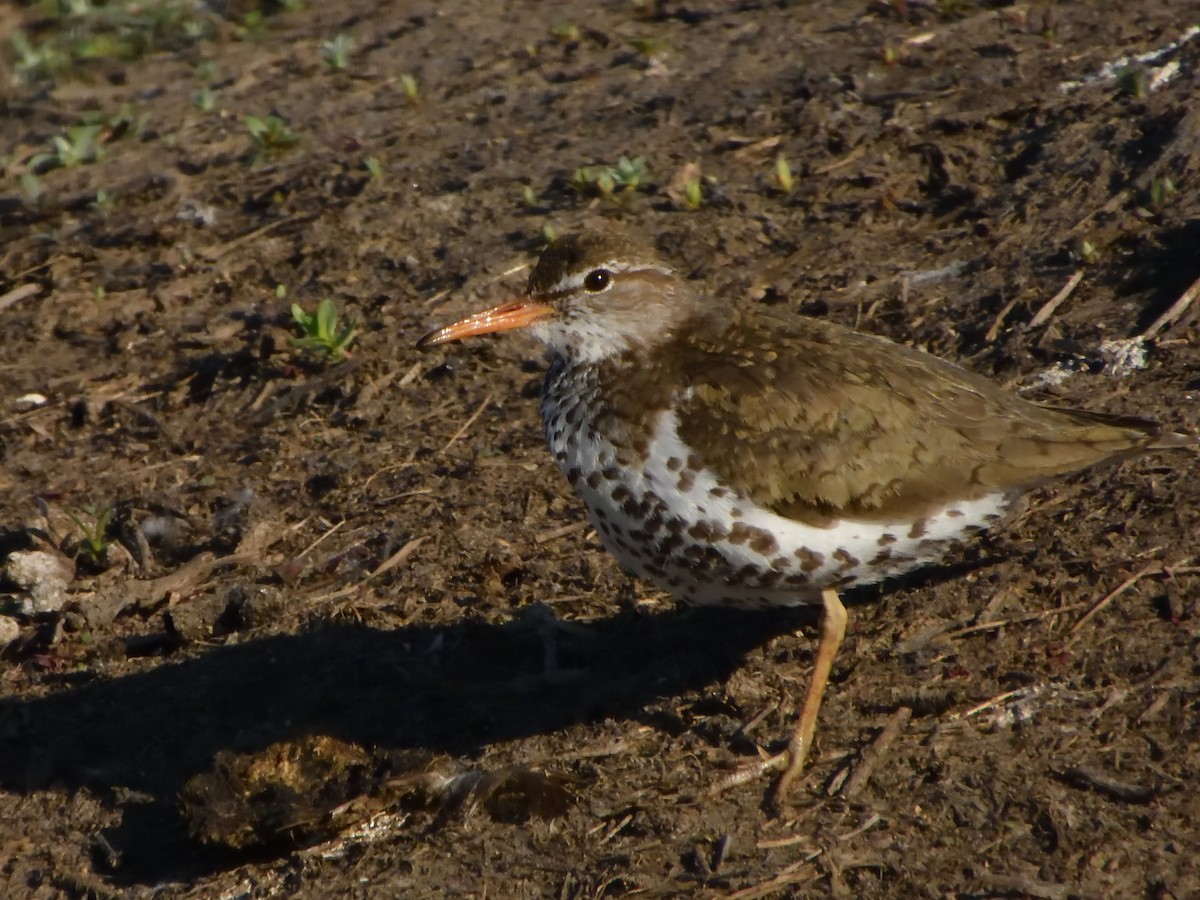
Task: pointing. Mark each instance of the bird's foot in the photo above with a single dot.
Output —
(790, 761)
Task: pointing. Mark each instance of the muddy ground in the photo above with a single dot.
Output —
(339, 630)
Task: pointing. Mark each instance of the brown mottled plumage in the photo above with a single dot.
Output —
(757, 458)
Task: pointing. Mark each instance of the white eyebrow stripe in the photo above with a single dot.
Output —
(616, 266)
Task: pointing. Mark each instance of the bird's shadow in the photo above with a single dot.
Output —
(448, 689)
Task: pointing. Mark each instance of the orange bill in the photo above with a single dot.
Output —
(505, 317)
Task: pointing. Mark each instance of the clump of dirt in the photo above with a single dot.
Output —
(252, 550)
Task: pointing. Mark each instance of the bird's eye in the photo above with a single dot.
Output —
(597, 280)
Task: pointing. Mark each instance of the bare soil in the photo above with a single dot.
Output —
(343, 633)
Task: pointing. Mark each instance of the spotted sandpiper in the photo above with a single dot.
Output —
(754, 458)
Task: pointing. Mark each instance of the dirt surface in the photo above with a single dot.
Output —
(341, 631)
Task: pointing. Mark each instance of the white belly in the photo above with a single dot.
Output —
(689, 534)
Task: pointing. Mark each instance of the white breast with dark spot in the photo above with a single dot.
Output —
(673, 523)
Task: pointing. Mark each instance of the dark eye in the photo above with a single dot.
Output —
(597, 280)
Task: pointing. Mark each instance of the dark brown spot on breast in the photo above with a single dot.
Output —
(593, 480)
(620, 493)
(810, 560)
(848, 560)
(674, 464)
(611, 473)
(954, 513)
(763, 541)
(881, 557)
(918, 529)
(885, 539)
(687, 481)
(739, 533)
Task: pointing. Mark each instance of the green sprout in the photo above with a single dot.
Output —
(95, 535)
(626, 176)
(649, 47)
(693, 194)
(336, 52)
(528, 195)
(271, 134)
(321, 335)
(566, 33)
(78, 146)
(412, 92)
(1161, 191)
(374, 168)
(783, 175)
(205, 99)
(105, 201)
(1132, 80)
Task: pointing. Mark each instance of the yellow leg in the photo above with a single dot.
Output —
(791, 760)
(833, 630)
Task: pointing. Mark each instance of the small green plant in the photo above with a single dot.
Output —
(566, 33)
(1088, 252)
(31, 187)
(1132, 80)
(612, 182)
(374, 168)
(528, 196)
(336, 52)
(105, 201)
(549, 233)
(271, 134)
(94, 530)
(1161, 191)
(88, 30)
(650, 47)
(693, 194)
(205, 99)
(253, 27)
(412, 91)
(321, 334)
(78, 146)
(783, 175)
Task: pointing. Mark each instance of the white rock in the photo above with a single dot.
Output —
(44, 575)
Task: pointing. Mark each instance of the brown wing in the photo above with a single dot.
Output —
(831, 421)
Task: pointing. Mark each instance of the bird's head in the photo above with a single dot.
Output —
(592, 296)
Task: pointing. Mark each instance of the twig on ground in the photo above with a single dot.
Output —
(1081, 776)
(1043, 315)
(1112, 595)
(1174, 313)
(873, 755)
(467, 424)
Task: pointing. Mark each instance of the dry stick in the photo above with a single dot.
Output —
(467, 424)
(1114, 594)
(988, 704)
(1057, 300)
(390, 563)
(560, 531)
(17, 294)
(1015, 620)
(873, 755)
(1172, 315)
(797, 873)
(1105, 784)
(998, 322)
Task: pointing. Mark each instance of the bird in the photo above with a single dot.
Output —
(742, 455)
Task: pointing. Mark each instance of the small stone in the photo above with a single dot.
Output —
(44, 575)
(10, 630)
